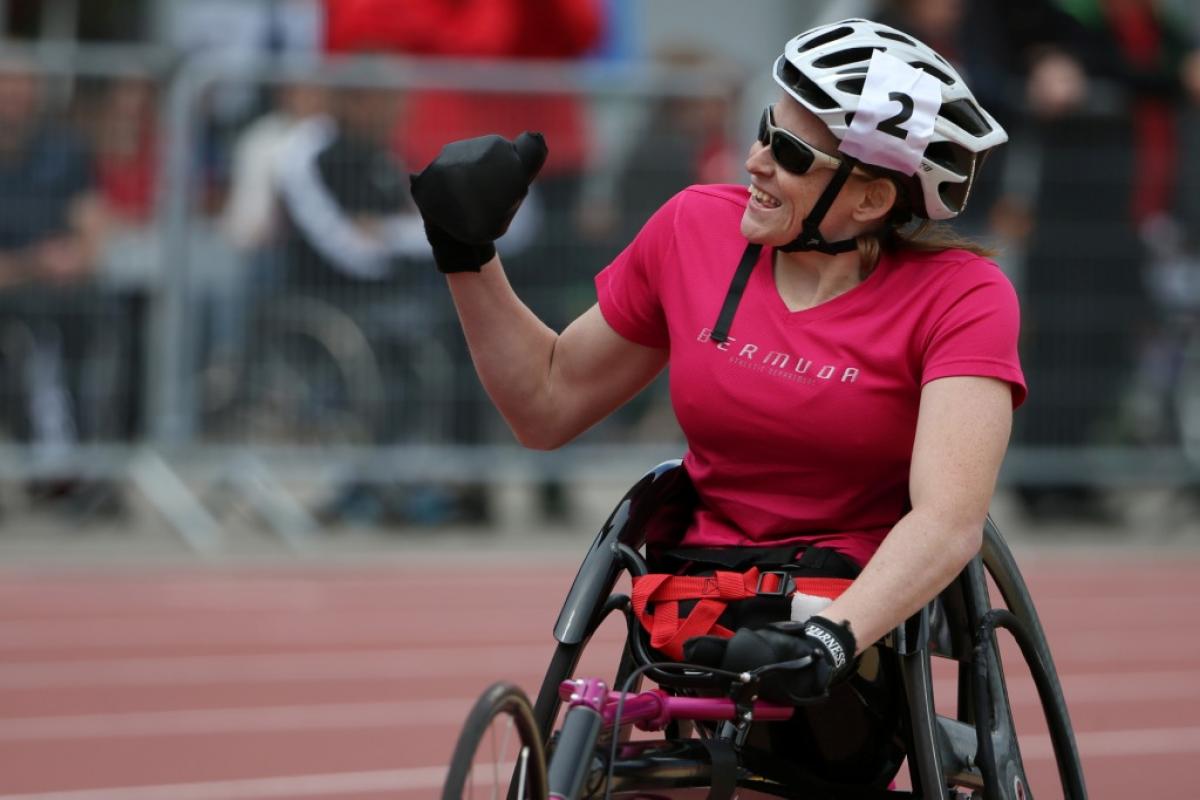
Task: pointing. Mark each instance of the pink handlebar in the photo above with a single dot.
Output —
(653, 710)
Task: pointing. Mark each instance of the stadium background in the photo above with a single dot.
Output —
(252, 500)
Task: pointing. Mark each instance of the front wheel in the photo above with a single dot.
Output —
(499, 755)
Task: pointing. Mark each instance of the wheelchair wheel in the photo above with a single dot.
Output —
(312, 377)
(499, 752)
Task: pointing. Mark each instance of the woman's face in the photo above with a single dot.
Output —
(780, 200)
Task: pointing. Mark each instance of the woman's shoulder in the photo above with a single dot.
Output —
(954, 266)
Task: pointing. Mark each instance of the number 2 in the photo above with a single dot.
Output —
(891, 125)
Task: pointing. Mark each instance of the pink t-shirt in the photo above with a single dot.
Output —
(800, 428)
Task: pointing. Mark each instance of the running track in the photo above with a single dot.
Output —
(224, 683)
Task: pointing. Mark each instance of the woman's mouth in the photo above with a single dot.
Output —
(762, 198)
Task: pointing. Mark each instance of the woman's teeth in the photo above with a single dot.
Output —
(763, 198)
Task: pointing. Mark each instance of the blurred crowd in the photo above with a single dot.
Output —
(318, 316)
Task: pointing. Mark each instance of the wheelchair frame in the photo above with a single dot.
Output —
(977, 750)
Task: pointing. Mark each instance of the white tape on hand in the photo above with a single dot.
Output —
(895, 115)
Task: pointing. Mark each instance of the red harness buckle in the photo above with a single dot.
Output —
(713, 594)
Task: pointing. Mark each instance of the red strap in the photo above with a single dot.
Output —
(822, 587)
(668, 632)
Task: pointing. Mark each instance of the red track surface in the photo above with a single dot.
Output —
(352, 683)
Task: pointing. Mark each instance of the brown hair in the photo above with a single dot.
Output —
(900, 232)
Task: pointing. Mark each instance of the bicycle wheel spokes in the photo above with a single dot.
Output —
(499, 754)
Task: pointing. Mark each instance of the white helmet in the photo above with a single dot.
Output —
(825, 69)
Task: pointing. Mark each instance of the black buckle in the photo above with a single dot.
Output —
(785, 587)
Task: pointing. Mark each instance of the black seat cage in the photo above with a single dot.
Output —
(959, 625)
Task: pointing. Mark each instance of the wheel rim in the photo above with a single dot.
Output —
(499, 754)
(496, 767)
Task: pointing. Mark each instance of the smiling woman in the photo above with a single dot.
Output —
(846, 394)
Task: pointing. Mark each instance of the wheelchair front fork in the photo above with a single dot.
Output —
(574, 752)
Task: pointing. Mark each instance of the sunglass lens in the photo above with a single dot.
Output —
(790, 155)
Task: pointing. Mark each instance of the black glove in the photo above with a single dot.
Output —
(803, 659)
(468, 195)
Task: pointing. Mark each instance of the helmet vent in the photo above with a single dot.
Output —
(826, 38)
(965, 115)
(805, 87)
(895, 36)
(851, 85)
(854, 55)
(934, 71)
(957, 159)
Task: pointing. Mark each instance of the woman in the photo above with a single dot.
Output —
(842, 385)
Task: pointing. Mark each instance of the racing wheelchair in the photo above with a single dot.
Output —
(707, 716)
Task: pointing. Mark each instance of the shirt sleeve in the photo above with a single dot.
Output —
(629, 289)
(977, 322)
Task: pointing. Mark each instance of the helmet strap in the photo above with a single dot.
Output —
(810, 237)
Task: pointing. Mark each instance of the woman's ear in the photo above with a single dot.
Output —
(876, 201)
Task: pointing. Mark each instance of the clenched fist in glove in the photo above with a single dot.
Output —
(468, 195)
(821, 654)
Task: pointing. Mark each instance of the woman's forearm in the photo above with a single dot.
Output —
(921, 555)
(512, 351)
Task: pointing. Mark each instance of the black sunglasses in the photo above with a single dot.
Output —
(789, 150)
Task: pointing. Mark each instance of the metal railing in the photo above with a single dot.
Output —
(333, 378)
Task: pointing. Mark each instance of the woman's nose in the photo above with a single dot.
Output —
(759, 159)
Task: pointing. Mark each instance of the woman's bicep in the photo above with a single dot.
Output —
(962, 433)
(594, 370)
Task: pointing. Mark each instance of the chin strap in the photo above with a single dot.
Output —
(810, 237)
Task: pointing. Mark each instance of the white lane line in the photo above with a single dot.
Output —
(192, 722)
(1092, 744)
(1100, 688)
(326, 629)
(1121, 743)
(420, 663)
(389, 664)
(337, 630)
(393, 663)
(452, 710)
(380, 781)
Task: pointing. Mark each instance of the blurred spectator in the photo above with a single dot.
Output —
(684, 140)
(346, 195)
(251, 216)
(1014, 53)
(122, 127)
(1108, 113)
(553, 276)
(240, 32)
(252, 222)
(55, 325)
(120, 117)
(1039, 67)
(351, 233)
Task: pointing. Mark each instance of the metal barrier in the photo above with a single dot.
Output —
(293, 332)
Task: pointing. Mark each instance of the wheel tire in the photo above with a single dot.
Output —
(500, 699)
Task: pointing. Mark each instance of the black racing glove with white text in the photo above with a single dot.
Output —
(797, 661)
(469, 194)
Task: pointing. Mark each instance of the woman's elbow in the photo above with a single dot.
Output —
(539, 436)
(969, 541)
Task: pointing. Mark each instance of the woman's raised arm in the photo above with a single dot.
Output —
(550, 387)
